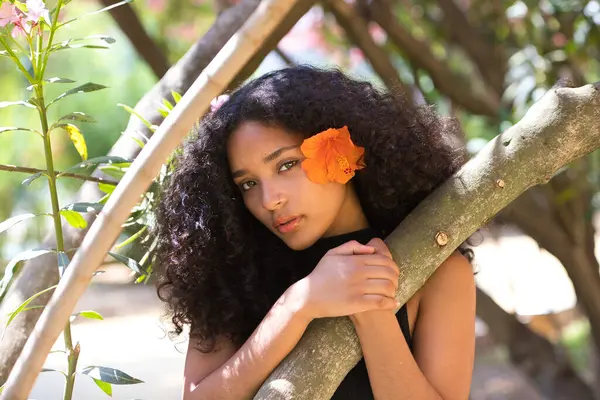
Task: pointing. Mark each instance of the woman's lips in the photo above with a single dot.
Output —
(289, 225)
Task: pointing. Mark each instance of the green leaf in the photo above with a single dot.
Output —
(129, 262)
(176, 96)
(11, 268)
(114, 170)
(15, 220)
(79, 46)
(32, 178)
(77, 138)
(167, 104)
(77, 116)
(92, 162)
(14, 128)
(26, 302)
(59, 80)
(63, 262)
(84, 207)
(132, 136)
(110, 375)
(67, 43)
(96, 12)
(132, 237)
(106, 387)
(74, 219)
(106, 187)
(52, 369)
(90, 314)
(163, 112)
(85, 88)
(15, 103)
(133, 112)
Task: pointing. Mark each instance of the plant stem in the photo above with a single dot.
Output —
(29, 170)
(50, 38)
(72, 353)
(16, 60)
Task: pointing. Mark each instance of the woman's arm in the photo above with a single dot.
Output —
(444, 340)
(230, 374)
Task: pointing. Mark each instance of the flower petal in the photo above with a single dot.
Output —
(315, 170)
(310, 147)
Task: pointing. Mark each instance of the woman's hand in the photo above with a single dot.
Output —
(380, 248)
(349, 279)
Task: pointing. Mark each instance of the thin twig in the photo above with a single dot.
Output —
(284, 57)
(28, 170)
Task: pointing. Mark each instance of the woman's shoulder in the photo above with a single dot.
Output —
(454, 277)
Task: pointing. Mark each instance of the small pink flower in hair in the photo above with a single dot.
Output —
(218, 101)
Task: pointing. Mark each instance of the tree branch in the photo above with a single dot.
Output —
(357, 31)
(559, 128)
(132, 27)
(27, 170)
(457, 87)
(489, 60)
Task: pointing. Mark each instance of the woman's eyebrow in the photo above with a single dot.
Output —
(241, 172)
(278, 152)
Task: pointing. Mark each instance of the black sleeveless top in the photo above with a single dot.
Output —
(356, 384)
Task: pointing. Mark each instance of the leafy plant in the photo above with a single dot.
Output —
(28, 39)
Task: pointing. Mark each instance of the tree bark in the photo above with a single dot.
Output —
(537, 358)
(42, 272)
(558, 129)
(132, 27)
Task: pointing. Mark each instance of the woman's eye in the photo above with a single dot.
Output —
(247, 185)
(287, 165)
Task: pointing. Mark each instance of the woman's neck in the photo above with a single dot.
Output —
(351, 216)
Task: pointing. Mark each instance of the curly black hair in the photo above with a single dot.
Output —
(219, 268)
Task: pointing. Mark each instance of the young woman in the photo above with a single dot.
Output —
(274, 217)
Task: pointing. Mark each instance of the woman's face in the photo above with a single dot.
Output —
(265, 165)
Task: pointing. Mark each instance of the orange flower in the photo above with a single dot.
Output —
(331, 156)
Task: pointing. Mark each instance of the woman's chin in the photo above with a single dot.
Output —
(297, 241)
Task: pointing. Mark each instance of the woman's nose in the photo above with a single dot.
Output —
(272, 198)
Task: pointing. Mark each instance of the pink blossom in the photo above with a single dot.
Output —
(157, 5)
(36, 9)
(22, 28)
(8, 14)
(218, 101)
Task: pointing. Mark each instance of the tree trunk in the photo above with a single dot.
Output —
(132, 27)
(565, 231)
(537, 358)
(559, 128)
